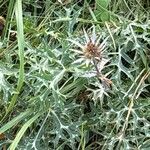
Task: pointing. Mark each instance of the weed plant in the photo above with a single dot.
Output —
(75, 75)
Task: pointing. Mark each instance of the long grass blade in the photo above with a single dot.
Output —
(20, 35)
(22, 131)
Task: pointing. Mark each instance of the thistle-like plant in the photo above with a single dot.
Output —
(92, 52)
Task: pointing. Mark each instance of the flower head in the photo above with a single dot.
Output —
(90, 49)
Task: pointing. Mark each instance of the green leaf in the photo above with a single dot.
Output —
(102, 4)
(57, 78)
(101, 9)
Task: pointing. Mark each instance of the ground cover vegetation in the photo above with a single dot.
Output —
(75, 75)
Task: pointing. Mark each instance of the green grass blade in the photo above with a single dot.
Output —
(8, 18)
(22, 131)
(20, 35)
(14, 121)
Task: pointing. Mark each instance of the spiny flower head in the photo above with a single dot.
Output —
(90, 49)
